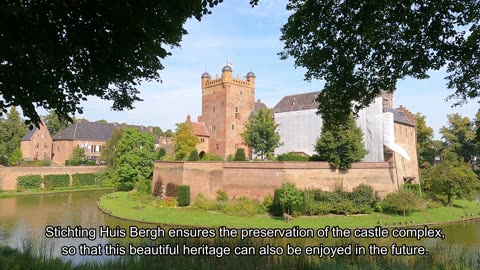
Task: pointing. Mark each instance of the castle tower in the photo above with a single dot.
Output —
(387, 99)
(227, 102)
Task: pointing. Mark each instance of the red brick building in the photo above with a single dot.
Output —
(227, 103)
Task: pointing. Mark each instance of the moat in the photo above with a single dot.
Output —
(25, 217)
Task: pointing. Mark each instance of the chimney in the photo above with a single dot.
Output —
(188, 119)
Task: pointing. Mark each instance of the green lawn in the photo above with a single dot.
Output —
(13, 193)
(120, 206)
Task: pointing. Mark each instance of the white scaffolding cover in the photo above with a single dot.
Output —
(389, 136)
(370, 120)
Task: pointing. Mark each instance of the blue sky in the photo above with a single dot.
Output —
(250, 38)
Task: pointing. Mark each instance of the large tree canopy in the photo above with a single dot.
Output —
(55, 54)
(363, 47)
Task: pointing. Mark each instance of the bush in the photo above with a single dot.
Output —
(77, 162)
(267, 202)
(158, 188)
(291, 156)
(56, 180)
(121, 186)
(277, 208)
(171, 190)
(414, 187)
(402, 202)
(212, 157)
(161, 153)
(364, 198)
(144, 186)
(193, 156)
(35, 163)
(322, 208)
(203, 203)
(83, 179)
(29, 181)
(222, 196)
(103, 179)
(183, 195)
(240, 155)
(344, 207)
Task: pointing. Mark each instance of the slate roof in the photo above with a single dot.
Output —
(91, 131)
(200, 129)
(399, 116)
(299, 102)
(258, 105)
(28, 136)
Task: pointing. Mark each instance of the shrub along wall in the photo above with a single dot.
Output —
(29, 181)
(10, 175)
(56, 180)
(83, 179)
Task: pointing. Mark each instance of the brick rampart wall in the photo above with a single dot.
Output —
(8, 175)
(258, 179)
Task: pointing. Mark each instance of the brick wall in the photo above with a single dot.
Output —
(8, 175)
(258, 179)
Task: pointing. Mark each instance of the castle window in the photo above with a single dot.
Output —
(36, 145)
(213, 129)
(218, 146)
(223, 103)
(241, 93)
(213, 108)
(46, 146)
(233, 127)
(202, 139)
(236, 113)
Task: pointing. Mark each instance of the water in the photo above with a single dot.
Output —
(27, 216)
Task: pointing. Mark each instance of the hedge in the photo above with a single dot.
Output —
(56, 180)
(183, 197)
(72, 162)
(29, 181)
(291, 156)
(277, 208)
(83, 179)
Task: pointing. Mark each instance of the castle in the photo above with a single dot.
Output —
(227, 103)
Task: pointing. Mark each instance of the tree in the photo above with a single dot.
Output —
(184, 141)
(12, 130)
(290, 197)
(168, 133)
(363, 47)
(193, 155)
(54, 123)
(450, 178)
(425, 148)
(59, 53)
(240, 155)
(403, 201)
(108, 151)
(459, 136)
(134, 157)
(161, 153)
(261, 133)
(78, 154)
(341, 144)
(158, 132)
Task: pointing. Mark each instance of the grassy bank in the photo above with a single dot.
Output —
(13, 193)
(119, 205)
(442, 256)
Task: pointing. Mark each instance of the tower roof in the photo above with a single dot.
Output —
(226, 68)
(206, 75)
(250, 74)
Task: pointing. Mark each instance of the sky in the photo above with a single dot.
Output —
(249, 38)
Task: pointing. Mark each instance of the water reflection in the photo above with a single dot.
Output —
(27, 216)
